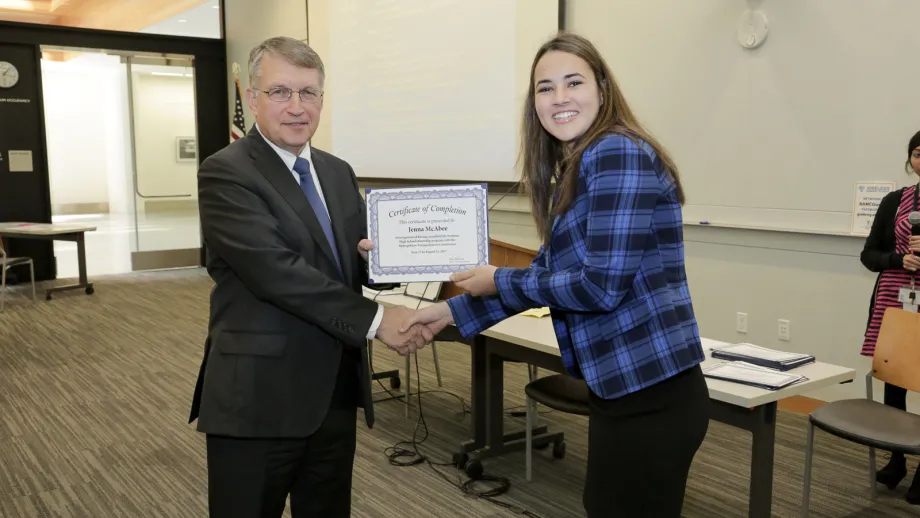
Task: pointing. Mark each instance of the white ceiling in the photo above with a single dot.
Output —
(202, 21)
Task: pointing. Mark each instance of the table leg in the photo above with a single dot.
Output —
(83, 282)
(495, 366)
(478, 403)
(81, 261)
(488, 413)
(763, 439)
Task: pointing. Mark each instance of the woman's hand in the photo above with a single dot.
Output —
(914, 243)
(478, 281)
(911, 262)
(435, 317)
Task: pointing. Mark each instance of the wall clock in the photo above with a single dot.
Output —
(9, 75)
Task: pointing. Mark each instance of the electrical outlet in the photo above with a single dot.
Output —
(784, 330)
(741, 322)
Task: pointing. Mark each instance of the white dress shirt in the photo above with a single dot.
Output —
(289, 160)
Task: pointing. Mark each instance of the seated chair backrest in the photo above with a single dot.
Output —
(897, 351)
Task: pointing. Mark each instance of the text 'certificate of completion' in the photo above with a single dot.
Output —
(427, 233)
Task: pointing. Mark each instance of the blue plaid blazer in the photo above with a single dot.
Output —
(612, 275)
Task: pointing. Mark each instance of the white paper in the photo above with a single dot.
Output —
(755, 351)
(866, 199)
(427, 233)
(743, 372)
(20, 161)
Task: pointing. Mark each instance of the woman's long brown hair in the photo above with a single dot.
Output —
(544, 158)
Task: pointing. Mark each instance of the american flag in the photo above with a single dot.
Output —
(238, 130)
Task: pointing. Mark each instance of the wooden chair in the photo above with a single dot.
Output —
(866, 421)
(6, 263)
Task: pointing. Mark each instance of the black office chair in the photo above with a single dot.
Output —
(559, 392)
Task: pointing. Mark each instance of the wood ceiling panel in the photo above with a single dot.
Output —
(115, 15)
(120, 15)
(55, 4)
(16, 15)
(41, 5)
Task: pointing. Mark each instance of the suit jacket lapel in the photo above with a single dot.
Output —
(329, 182)
(273, 168)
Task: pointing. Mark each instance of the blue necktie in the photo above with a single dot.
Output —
(302, 168)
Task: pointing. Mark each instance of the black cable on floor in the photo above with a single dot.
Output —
(406, 453)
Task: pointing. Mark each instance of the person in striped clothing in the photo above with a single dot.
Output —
(889, 250)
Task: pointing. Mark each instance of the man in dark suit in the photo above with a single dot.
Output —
(285, 364)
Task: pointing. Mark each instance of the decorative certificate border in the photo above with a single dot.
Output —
(477, 191)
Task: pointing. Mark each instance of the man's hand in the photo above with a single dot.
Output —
(478, 281)
(365, 246)
(405, 341)
(433, 319)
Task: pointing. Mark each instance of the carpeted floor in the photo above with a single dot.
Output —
(94, 397)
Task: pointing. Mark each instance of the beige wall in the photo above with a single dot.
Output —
(247, 24)
(164, 109)
(776, 136)
(319, 40)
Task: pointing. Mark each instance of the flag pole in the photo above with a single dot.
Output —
(238, 127)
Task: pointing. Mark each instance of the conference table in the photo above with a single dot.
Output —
(55, 232)
(532, 340)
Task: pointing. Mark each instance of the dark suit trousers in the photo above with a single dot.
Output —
(251, 478)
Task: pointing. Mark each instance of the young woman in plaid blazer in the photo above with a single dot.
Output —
(611, 270)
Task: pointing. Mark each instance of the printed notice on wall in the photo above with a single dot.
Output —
(866, 199)
(20, 161)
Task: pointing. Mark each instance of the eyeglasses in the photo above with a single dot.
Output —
(283, 95)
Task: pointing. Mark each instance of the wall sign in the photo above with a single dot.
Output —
(866, 199)
(21, 162)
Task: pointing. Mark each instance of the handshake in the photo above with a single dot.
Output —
(406, 330)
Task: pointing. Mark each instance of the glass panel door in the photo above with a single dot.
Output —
(163, 138)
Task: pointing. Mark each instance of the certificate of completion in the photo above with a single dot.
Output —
(427, 233)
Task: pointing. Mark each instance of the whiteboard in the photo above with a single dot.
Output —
(777, 136)
(433, 89)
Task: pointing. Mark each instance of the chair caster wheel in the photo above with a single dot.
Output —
(90, 290)
(395, 383)
(559, 449)
(48, 297)
(474, 469)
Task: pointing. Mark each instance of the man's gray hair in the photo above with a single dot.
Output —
(291, 50)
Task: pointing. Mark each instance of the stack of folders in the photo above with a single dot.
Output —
(769, 358)
(753, 375)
